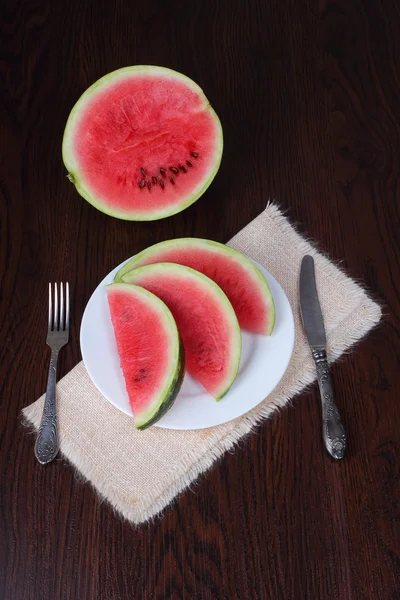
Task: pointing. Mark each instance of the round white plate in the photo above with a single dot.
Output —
(263, 363)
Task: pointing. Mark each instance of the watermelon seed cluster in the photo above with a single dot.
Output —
(175, 170)
(140, 376)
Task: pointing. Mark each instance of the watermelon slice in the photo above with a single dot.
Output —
(238, 277)
(150, 351)
(142, 143)
(205, 318)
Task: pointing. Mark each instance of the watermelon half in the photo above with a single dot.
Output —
(142, 143)
(244, 284)
(150, 351)
(205, 318)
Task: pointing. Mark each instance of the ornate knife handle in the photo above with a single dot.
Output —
(46, 447)
(333, 430)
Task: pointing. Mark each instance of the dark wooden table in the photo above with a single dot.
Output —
(308, 92)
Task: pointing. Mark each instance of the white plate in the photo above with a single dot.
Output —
(263, 363)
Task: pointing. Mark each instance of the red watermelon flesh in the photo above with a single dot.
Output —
(205, 319)
(150, 351)
(245, 286)
(142, 143)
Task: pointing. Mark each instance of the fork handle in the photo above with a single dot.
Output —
(46, 447)
(333, 430)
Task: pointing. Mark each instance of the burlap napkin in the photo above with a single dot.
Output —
(140, 473)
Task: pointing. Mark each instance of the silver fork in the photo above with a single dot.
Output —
(47, 443)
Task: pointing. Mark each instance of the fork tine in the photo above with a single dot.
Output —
(67, 306)
(61, 306)
(56, 307)
(50, 309)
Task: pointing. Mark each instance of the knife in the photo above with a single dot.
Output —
(333, 431)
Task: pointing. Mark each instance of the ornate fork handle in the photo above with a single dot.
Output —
(334, 433)
(46, 447)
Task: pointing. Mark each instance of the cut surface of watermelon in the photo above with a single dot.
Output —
(142, 143)
(150, 351)
(245, 286)
(206, 321)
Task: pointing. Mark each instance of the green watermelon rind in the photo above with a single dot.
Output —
(225, 305)
(173, 383)
(218, 247)
(170, 398)
(72, 166)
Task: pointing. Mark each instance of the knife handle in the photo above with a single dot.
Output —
(333, 430)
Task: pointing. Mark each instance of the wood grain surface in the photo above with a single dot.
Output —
(308, 92)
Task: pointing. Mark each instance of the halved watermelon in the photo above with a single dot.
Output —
(150, 351)
(238, 277)
(205, 318)
(142, 143)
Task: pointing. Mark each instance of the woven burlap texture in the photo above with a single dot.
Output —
(141, 472)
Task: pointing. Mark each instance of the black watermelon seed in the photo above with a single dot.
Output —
(143, 172)
(195, 155)
(162, 171)
(154, 179)
(172, 180)
(162, 183)
(183, 169)
(142, 184)
(174, 170)
(189, 164)
(149, 185)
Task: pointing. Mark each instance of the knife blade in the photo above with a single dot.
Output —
(333, 431)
